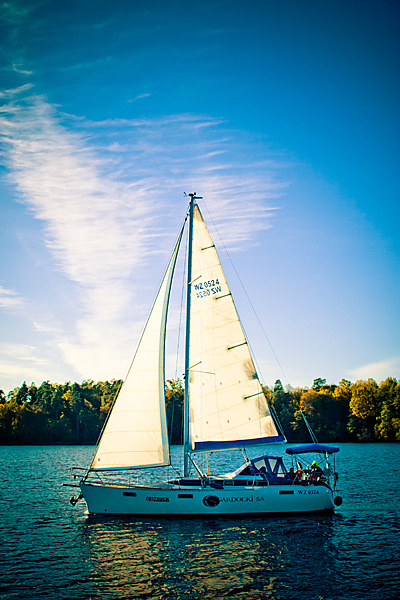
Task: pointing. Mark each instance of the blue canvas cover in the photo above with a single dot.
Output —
(312, 448)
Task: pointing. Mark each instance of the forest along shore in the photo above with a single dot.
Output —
(74, 413)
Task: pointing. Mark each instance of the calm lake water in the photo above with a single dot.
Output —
(48, 549)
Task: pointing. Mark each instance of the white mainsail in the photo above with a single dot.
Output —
(228, 408)
(136, 432)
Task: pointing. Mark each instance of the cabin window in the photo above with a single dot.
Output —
(259, 464)
(286, 491)
(185, 495)
(129, 493)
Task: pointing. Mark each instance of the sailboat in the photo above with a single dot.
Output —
(224, 409)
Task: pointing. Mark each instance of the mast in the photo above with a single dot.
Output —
(186, 463)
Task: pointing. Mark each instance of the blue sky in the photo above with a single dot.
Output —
(283, 115)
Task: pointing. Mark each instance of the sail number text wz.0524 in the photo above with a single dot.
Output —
(207, 288)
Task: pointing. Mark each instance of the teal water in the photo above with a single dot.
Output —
(49, 549)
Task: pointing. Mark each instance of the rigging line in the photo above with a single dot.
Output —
(277, 420)
(310, 431)
(248, 298)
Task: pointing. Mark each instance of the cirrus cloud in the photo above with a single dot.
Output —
(379, 370)
(105, 194)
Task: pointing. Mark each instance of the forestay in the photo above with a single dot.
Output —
(136, 432)
(228, 408)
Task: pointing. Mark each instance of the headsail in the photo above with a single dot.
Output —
(228, 408)
(136, 432)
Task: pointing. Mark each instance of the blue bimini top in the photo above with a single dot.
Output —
(312, 448)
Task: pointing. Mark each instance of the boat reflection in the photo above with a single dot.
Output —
(192, 558)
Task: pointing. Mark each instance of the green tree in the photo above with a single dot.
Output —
(33, 391)
(285, 404)
(326, 413)
(9, 412)
(343, 391)
(65, 413)
(32, 426)
(22, 394)
(44, 397)
(341, 406)
(388, 421)
(174, 400)
(76, 402)
(364, 399)
(364, 405)
(318, 383)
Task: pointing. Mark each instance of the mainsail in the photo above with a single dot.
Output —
(228, 408)
(136, 432)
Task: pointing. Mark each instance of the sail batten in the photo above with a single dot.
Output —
(228, 408)
(136, 432)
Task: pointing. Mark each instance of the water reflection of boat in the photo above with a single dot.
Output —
(225, 408)
(199, 558)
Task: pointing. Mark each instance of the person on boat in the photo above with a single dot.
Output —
(292, 474)
(316, 471)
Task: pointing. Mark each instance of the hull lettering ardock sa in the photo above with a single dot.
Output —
(224, 409)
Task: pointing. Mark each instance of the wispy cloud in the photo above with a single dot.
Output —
(22, 352)
(19, 69)
(23, 362)
(96, 227)
(14, 92)
(140, 97)
(10, 300)
(379, 371)
(187, 152)
(14, 13)
(109, 195)
(88, 217)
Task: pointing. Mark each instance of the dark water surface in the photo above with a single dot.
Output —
(48, 549)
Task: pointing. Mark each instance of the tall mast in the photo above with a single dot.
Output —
(186, 462)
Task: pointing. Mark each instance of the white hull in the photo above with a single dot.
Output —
(185, 501)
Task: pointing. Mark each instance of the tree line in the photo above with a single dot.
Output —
(74, 413)
(71, 413)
